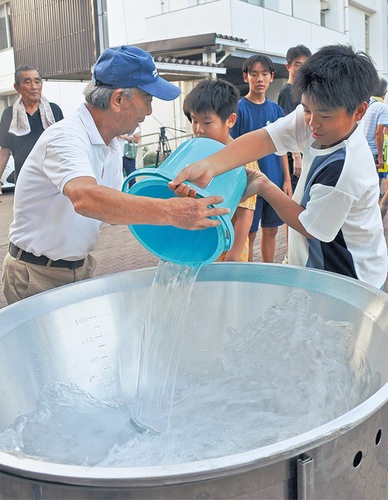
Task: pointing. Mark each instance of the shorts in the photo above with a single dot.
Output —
(265, 214)
(382, 175)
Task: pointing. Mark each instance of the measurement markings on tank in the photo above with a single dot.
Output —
(82, 321)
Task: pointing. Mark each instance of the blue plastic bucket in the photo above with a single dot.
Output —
(182, 246)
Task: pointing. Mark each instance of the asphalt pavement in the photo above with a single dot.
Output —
(118, 250)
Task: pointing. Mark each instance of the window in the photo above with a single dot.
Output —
(259, 3)
(325, 7)
(5, 34)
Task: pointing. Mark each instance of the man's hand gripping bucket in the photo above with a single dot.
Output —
(182, 246)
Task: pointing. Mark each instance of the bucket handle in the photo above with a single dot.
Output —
(143, 171)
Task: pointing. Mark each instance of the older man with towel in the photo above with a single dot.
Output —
(23, 123)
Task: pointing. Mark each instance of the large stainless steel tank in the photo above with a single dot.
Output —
(49, 338)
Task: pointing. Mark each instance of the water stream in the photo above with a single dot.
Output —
(161, 345)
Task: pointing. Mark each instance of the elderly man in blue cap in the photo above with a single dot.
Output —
(71, 181)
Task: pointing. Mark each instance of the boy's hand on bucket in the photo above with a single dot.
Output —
(256, 181)
(184, 190)
(189, 213)
(199, 173)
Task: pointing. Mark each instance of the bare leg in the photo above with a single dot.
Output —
(286, 233)
(268, 240)
(285, 260)
(251, 237)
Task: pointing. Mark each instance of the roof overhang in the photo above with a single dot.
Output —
(205, 55)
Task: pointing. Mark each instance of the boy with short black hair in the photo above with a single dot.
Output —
(334, 214)
(255, 111)
(211, 108)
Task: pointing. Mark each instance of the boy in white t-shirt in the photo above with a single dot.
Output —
(334, 213)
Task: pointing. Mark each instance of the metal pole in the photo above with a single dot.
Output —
(305, 478)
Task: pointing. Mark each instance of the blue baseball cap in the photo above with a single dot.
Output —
(127, 67)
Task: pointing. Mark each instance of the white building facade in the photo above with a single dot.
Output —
(241, 28)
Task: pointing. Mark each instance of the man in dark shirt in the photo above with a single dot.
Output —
(23, 123)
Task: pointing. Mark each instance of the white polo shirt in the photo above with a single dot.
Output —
(45, 222)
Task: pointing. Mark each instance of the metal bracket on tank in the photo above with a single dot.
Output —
(305, 478)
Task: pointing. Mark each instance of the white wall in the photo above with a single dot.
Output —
(7, 71)
(307, 10)
(335, 16)
(321, 36)
(378, 35)
(267, 31)
(68, 95)
(127, 20)
(357, 31)
(284, 6)
(212, 17)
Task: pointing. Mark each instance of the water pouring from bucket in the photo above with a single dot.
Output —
(182, 246)
(186, 251)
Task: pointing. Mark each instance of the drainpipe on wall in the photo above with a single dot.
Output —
(102, 41)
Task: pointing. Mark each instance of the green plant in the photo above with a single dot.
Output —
(149, 159)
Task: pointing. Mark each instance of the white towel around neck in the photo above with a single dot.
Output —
(20, 124)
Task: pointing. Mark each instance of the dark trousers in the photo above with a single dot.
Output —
(129, 166)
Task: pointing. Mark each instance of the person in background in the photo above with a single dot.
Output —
(375, 120)
(71, 181)
(334, 218)
(295, 57)
(211, 108)
(255, 111)
(23, 123)
(129, 163)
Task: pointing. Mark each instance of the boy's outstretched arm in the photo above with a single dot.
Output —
(244, 149)
(286, 208)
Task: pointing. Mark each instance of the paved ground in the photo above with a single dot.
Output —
(118, 250)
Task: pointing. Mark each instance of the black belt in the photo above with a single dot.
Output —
(20, 254)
